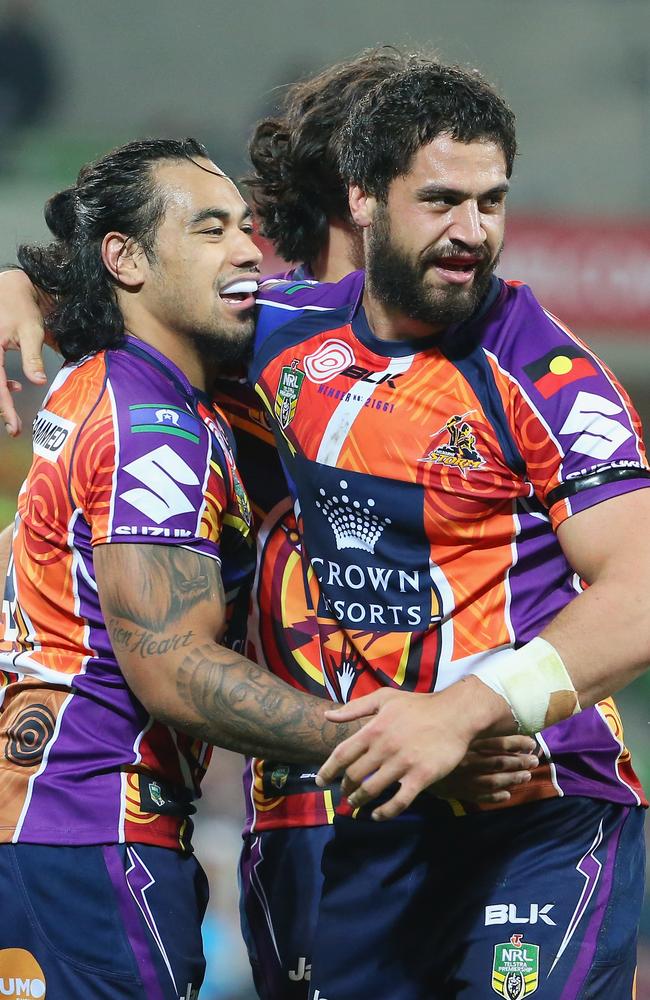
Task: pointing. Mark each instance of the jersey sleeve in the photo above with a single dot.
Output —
(145, 471)
(280, 301)
(574, 423)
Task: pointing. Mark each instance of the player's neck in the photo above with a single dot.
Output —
(342, 253)
(391, 324)
(181, 350)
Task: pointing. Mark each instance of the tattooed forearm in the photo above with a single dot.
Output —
(164, 582)
(243, 707)
(165, 609)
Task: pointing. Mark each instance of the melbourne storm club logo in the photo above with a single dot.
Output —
(460, 450)
(355, 524)
(286, 397)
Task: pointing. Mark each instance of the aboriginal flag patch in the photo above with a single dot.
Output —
(558, 368)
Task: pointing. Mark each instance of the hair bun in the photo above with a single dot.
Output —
(60, 214)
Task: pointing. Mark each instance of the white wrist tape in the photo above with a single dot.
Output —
(535, 683)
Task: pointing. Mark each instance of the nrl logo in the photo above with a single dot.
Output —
(279, 776)
(460, 450)
(155, 791)
(286, 398)
(515, 970)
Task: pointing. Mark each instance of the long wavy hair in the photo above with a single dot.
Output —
(116, 192)
(296, 187)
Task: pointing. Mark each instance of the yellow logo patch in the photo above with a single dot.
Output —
(21, 977)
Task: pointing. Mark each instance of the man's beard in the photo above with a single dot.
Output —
(398, 282)
(230, 351)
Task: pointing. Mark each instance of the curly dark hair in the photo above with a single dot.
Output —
(296, 188)
(116, 192)
(410, 109)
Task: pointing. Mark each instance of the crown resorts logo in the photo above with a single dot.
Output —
(354, 526)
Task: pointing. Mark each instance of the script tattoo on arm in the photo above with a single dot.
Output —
(164, 607)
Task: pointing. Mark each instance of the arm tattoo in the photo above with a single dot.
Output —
(165, 581)
(243, 707)
(214, 693)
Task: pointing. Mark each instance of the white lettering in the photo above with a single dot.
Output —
(376, 614)
(379, 576)
(412, 578)
(303, 971)
(349, 571)
(506, 913)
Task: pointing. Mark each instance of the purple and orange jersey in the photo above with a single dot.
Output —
(125, 451)
(283, 631)
(429, 479)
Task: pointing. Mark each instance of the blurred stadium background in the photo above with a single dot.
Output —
(77, 79)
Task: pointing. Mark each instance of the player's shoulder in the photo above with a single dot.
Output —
(295, 309)
(294, 293)
(525, 338)
(145, 403)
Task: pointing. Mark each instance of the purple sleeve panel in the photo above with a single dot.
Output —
(574, 423)
(155, 473)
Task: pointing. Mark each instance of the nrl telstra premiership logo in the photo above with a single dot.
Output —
(355, 525)
(515, 969)
(286, 397)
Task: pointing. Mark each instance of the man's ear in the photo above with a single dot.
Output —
(362, 206)
(124, 259)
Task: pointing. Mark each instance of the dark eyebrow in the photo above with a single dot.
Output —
(430, 192)
(219, 213)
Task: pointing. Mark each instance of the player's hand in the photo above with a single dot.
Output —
(489, 770)
(21, 329)
(413, 739)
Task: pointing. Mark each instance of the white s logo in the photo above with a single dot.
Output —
(160, 471)
(601, 435)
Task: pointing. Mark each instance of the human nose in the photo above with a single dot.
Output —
(466, 224)
(244, 251)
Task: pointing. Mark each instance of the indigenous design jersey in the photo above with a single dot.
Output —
(283, 632)
(125, 450)
(429, 480)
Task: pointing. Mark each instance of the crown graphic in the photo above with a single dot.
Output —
(354, 526)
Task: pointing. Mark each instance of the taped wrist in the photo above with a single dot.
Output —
(536, 685)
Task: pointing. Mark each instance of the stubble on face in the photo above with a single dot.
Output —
(224, 342)
(397, 279)
(231, 349)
